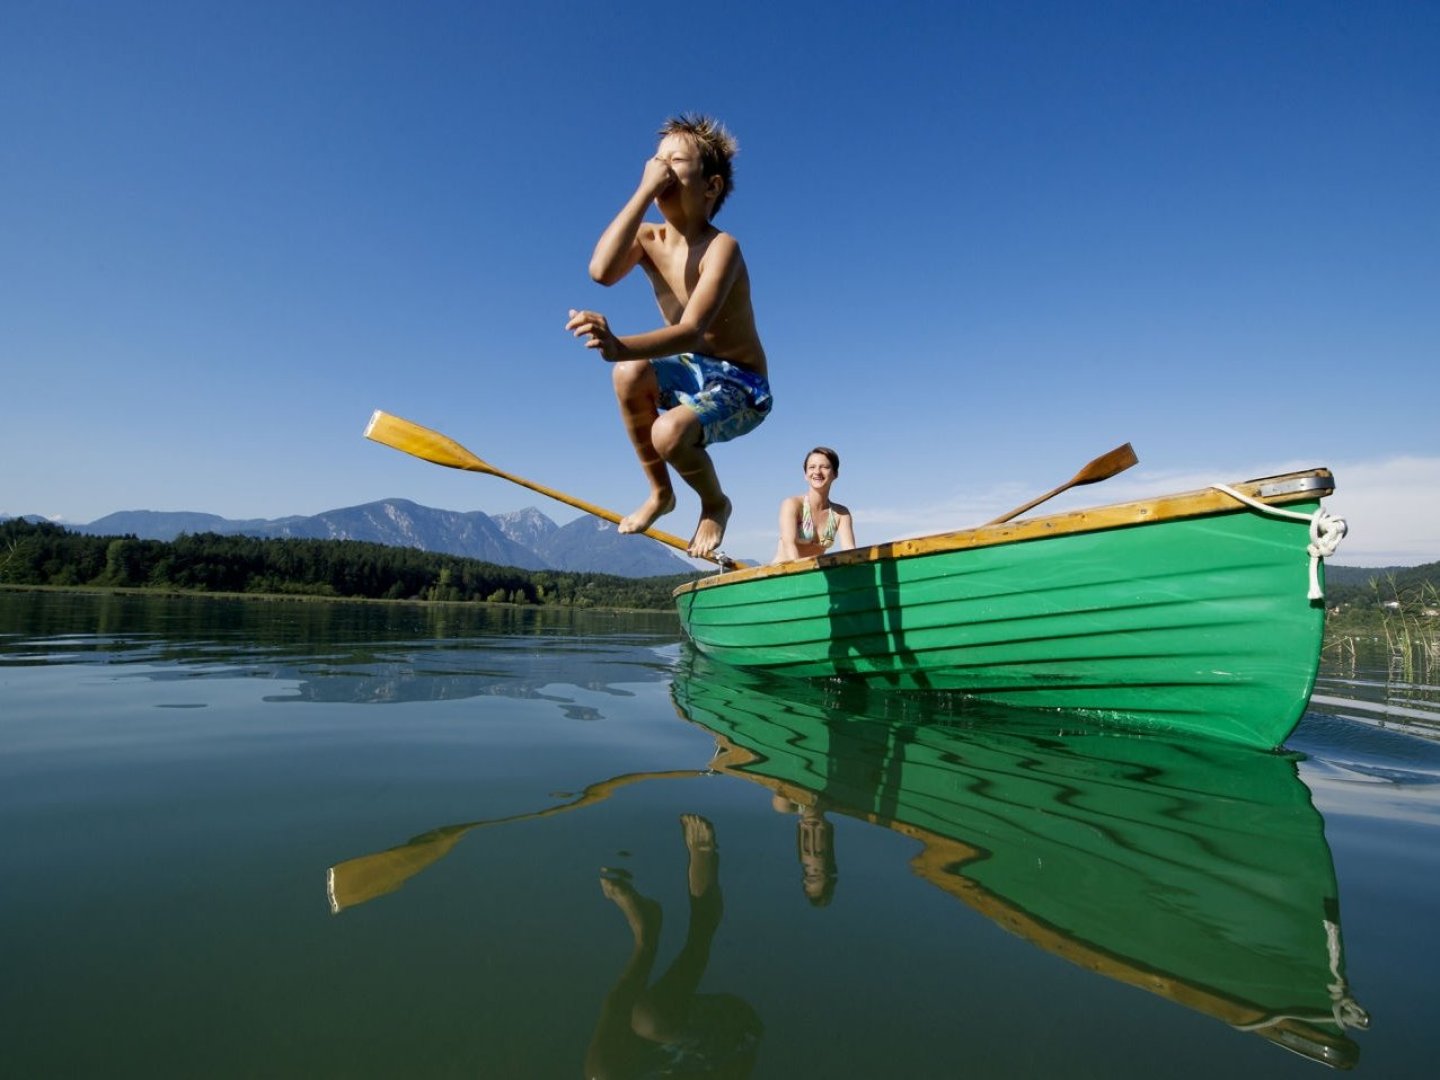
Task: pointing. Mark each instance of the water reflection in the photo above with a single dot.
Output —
(1197, 872)
(668, 1028)
(1372, 682)
(345, 652)
(361, 879)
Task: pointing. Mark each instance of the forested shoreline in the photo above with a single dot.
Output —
(41, 554)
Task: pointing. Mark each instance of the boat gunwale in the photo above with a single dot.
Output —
(1188, 505)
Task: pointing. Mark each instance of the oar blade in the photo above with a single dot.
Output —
(410, 438)
(361, 879)
(1102, 468)
(1107, 465)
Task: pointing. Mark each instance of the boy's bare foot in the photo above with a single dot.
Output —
(700, 840)
(710, 531)
(642, 913)
(647, 513)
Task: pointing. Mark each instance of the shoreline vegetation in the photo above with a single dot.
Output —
(40, 555)
(1397, 611)
(1399, 608)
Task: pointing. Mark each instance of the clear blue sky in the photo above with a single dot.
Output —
(988, 241)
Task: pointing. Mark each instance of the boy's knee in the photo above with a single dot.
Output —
(675, 429)
(630, 376)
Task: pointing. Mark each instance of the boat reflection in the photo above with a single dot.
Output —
(1196, 871)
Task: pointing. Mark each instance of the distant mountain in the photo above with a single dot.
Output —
(525, 538)
(165, 525)
(402, 523)
(588, 543)
(529, 527)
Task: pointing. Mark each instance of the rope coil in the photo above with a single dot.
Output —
(1326, 532)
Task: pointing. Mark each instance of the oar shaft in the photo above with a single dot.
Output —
(581, 504)
(1030, 505)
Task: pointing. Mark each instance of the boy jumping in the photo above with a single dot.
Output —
(707, 357)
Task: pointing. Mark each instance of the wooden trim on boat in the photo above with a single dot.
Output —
(1306, 486)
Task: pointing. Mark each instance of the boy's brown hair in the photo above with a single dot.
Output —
(716, 145)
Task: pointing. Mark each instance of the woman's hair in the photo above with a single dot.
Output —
(830, 455)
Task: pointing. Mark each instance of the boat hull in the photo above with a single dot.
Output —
(1196, 623)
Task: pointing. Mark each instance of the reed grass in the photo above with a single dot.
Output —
(1411, 627)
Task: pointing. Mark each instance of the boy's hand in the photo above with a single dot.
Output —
(656, 178)
(593, 326)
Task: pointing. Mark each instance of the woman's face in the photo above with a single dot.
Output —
(818, 470)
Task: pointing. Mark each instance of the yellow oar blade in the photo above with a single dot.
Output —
(357, 880)
(421, 442)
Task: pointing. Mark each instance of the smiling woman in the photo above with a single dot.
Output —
(811, 524)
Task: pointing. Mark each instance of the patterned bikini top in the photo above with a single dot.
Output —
(807, 526)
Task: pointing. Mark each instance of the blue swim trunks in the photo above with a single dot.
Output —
(728, 400)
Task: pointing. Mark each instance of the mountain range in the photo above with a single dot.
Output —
(525, 538)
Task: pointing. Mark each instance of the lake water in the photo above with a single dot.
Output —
(246, 838)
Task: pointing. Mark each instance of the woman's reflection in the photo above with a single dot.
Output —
(815, 844)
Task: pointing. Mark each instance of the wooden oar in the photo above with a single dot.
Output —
(421, 442)
(1102, 468)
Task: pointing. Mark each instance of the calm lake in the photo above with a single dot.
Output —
(248, 838)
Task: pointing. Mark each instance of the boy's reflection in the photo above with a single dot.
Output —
(669, 1029)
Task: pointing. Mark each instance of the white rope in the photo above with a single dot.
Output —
(1326, 532)
(1345, 1011)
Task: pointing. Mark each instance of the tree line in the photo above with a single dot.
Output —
(1405, 584)
(40, 553)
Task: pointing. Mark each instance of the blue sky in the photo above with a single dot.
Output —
(987, 241)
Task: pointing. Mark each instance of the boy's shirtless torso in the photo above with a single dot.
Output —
(672, 404)
(673, 266)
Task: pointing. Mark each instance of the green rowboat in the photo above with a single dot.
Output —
(1189, 869)
(1199, 612)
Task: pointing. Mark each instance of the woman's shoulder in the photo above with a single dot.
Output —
(839, 510)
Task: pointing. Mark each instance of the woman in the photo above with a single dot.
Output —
(811, 524)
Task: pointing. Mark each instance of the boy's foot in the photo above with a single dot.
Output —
(700, 841)
(710, 531)
(642, 517)
(642, 913)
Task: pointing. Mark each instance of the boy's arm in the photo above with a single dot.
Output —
(618, 250)
(719, 270)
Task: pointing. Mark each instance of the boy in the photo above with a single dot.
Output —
(705, 367)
